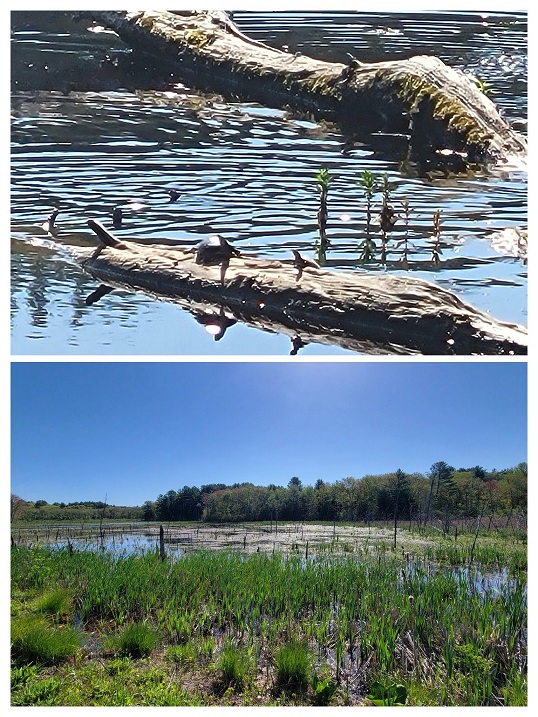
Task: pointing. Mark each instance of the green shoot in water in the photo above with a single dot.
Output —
(323, 181)
(368, 183)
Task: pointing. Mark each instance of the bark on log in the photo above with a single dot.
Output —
(440, 107)
(361, 311)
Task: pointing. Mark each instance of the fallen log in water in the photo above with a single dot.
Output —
(371, 313)
(441, 108)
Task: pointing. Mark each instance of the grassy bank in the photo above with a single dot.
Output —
(212, 628)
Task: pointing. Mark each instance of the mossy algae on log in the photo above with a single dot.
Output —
(440, 107)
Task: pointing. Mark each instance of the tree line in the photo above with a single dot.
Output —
(443, 493)
(42, 511)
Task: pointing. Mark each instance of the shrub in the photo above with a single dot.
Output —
(34, 641)
(293, 666)
(138, 639)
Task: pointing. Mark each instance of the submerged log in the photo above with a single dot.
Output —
(441, 108)
(372, 313)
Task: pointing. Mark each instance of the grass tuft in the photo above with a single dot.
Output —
(34, 641)
(293, 666)
(138, 639)
(56, 603)
(233, 664)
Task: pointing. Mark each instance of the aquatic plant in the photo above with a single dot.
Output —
(435, 236)
(387, 217)
(405, 217)
(323, 181)
(368, 182)
(484, 87)
(323, 691)
(410, 623)
(388, 694)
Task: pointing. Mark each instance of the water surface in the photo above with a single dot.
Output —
(95, 127)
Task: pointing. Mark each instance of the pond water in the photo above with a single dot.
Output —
(140, 539)
(93, 128)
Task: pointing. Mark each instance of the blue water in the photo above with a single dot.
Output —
(89, 133)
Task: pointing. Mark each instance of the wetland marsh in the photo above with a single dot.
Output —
(265, 614)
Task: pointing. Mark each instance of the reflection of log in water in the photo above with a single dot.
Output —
(438, 106)
(370, 313)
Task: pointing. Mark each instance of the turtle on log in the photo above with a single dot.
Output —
(215, 250)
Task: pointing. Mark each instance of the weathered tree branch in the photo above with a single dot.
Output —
(373, 313)
(440, 107)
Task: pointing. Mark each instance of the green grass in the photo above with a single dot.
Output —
(117, 683)
(137, 639)
(56, 603)
(182, 654)
(293, 666)
(233, 665)
(34, 641)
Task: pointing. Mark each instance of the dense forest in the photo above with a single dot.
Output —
(444, 493)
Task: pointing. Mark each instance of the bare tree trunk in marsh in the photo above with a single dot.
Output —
(162, 552)
(478, 521)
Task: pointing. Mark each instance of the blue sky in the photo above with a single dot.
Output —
(129, 431)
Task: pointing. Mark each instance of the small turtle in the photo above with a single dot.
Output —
(48, 225)
(300, 263)
(215, 250)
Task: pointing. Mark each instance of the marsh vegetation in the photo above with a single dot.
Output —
(437, 620)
